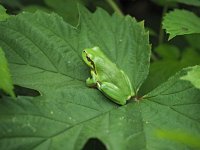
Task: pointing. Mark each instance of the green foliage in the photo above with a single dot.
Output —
(164, 3)
(34, 8)
(168, 52)
(44, 54)
(5, 78)
(180, 137)
(180, 22)
(12, 3)
(188, 2)
(65, 8)
(193, 76)
(3, 14)
(172, 61)
(174, 99)
(193, 40)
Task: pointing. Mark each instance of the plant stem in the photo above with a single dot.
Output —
(115, 7)
(161, 32)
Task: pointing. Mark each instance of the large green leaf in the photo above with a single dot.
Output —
(180, 22)
(45, 54)
(5, 77)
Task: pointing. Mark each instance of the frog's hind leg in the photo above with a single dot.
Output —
(92, 82)
(128, 82)
(112, 92)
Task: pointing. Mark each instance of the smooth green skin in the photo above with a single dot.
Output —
(107, 77)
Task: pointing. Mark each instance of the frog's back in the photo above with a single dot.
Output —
(112, 74)
(107, 70)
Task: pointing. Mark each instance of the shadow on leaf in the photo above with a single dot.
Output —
(23, 91)
(94, 144)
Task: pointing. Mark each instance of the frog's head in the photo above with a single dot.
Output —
(90, 54)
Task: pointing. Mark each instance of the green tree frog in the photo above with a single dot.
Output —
(107, 77)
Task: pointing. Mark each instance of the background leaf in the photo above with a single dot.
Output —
(12, 3)
(34, 8)
(180, 137)
(172, 61)
(65, 8)
(193, 76)
(169, 52)
(188, 2)
(179, 101)
(180, 22)
(5, 77)
(193, 40)
(3, 14)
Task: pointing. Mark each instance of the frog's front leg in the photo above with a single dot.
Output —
(112, 92)
(92, 82)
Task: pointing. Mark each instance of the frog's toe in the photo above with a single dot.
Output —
(129, 97)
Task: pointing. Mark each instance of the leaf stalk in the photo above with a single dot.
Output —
(115, 7)
(161, 32)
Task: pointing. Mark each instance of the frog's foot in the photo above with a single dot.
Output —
(91, 82)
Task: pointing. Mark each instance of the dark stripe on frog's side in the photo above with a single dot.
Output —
(92, 63)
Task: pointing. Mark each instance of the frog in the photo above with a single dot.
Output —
(107, 77)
